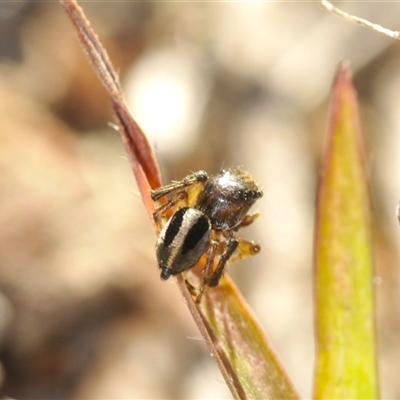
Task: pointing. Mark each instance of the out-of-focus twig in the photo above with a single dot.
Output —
(360, 21)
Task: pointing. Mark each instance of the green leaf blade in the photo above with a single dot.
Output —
(345, 331)
(253, 366)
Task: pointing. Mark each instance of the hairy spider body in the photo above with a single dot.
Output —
(206, 214)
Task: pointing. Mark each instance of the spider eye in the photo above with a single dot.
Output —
(182, 241)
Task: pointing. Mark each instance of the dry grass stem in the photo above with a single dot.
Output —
(360, 21)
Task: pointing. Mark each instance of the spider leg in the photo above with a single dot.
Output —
(236, 249)
(211, 251)
(248, 219)
(207, 270)
(176, 192)
(244, 249)
(160, 212)
(196, 177)
(225, 256)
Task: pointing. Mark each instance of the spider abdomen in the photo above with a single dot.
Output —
(182, 241)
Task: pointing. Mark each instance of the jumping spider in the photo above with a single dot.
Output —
(201, 215)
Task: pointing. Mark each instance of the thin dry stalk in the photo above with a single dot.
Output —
(360, 21)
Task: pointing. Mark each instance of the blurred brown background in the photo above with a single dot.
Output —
(83, 313)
